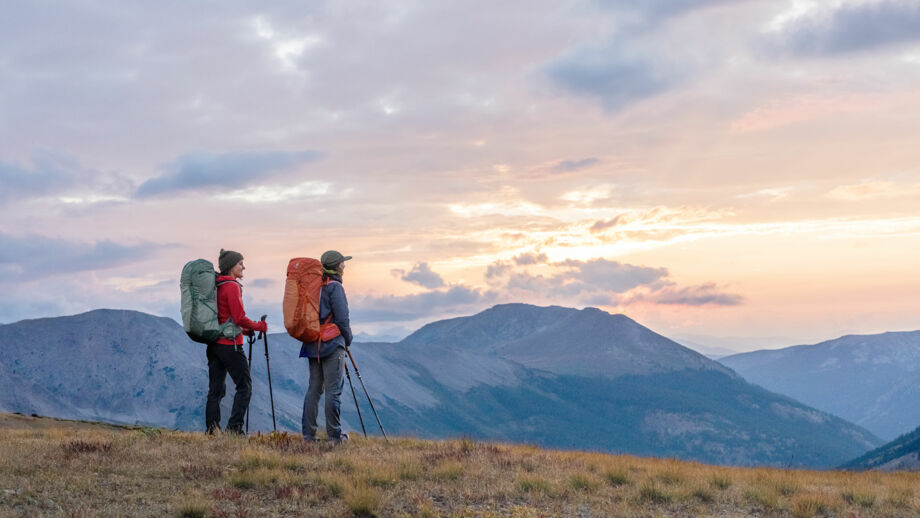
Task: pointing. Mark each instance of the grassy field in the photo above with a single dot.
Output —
(61, 468)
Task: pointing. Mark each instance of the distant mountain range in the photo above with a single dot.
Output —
(901, 454)
(870, 380)
(552, 376)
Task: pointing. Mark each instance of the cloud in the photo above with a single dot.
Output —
(576, 278)
(55, 296)
(659, 10)
(849, 28)
(612, 275)
(594, 195)
(401, 308)
(280, 193)
(568, 166)
(196, 171)
(658, 220)
(262, 283)
(603, 282)
(701, 295)
(48, 174)
(602, 225)
(497, 269)
(32, 256)
(620, 73)
(610, 76)
(422, 275)
(531, 258)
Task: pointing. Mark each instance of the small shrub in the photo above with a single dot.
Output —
(703, 494)
(768, 500)
(808, 508)
(899, 499)
(78, 446)
(193, 507)
(534, 485)
(260, 477)
(720, 482)
(449, 471)
(409, 471)
(616, 478)
(786, 488)
(670, 477)
(333, 485)
(362, 501)
(653, 494)
(151, 433)
(865, 500)
(467, 446)
(242, 481)
(253, 459)
(341, 465)
(581, 482)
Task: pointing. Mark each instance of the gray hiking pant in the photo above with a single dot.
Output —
(326, 374)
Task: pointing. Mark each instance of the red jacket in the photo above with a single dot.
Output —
(230, 305)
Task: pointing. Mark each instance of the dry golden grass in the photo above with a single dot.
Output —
(71, 471)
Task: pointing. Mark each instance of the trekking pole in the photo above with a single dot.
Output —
(353, 364)
(268, 367)
(252, 340)
(356, 400)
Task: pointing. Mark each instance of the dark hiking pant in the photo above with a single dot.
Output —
(326, 375)
(221, 360)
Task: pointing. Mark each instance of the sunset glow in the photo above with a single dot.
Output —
(740, 174)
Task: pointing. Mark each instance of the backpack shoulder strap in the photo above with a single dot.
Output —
(327, 282)
(221, 283)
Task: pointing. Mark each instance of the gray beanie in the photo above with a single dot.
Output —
(227, 260)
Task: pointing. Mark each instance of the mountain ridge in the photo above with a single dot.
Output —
(129, 367)
(901, 454)
(872, 380)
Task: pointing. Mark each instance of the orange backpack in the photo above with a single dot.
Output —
(302, 290)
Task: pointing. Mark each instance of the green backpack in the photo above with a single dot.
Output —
(198, 284)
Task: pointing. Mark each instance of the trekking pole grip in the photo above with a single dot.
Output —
(260, 332)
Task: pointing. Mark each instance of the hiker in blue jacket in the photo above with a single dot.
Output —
(327, 359)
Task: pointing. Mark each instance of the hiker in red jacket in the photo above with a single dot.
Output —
(226, 355)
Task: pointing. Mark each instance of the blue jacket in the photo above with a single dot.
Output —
(332, 301)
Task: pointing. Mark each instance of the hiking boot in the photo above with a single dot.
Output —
(236, 431)
(213, 429)
(343, 437)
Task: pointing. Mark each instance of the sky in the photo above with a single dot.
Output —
(735, 174)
